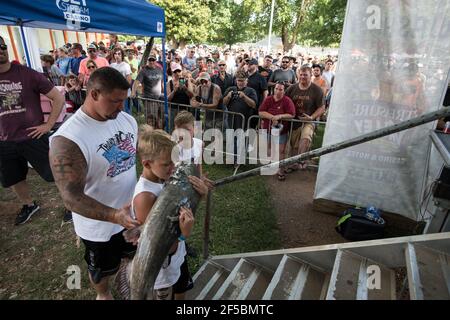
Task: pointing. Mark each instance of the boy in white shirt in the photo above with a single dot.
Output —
(155, 150)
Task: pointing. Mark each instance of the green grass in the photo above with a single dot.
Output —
(34, 257)
(242, 219)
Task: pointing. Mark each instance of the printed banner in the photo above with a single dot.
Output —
(393, 64)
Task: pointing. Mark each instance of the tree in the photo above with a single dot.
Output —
(186, 21)
(289, 16)
(324, 23)
(232, 22)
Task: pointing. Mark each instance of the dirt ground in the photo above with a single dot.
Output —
(299, 224)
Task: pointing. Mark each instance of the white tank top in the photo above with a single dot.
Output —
(170, 272)
(109, 148)
(194, 152)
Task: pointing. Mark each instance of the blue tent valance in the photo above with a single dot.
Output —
(134, 17)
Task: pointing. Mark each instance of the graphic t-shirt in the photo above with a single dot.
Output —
(109, 148)
(20, 104)
(151, 80)
(305, 101)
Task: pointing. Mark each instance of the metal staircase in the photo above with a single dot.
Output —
(385, 269)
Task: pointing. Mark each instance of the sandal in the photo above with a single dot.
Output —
(292, 168)
(303, 165)
(281, 176)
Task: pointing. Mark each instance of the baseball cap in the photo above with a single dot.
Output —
(175, 66)
(92, 46)
(204, 76)
(153, 57)
(253, 61)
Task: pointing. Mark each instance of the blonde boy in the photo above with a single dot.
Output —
(155, 149)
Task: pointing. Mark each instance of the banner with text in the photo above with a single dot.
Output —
(393, 64)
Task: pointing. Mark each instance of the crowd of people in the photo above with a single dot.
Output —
(205, 79)
(96, 173)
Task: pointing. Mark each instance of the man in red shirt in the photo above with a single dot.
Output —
(23, 133)
(274, 109)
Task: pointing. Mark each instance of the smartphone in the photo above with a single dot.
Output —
(182, 81)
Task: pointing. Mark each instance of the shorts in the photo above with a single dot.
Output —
(103, 258)
(306, 131)
(14, 158)
(183, 284)
(281, 139)
(154, 113)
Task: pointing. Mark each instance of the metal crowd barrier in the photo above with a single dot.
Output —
(210, 118)
(293, 125)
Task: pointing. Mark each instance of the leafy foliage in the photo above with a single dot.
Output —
(324, 23)
(186, 21)
(313, 22)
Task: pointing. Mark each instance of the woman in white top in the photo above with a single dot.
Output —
(125, 69)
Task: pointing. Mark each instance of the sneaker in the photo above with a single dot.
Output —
(67, 215)
(25, 214)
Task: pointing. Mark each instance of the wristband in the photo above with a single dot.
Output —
(181, 238)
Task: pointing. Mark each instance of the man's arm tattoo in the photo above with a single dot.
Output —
(69, 169)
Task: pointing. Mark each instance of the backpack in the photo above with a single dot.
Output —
(359, 224)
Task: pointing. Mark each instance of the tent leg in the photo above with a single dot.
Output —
(25, 47)
(166, 106)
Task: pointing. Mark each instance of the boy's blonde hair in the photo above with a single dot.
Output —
(184, 117)
(152, 143)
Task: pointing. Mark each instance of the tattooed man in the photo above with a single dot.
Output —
(93, 160)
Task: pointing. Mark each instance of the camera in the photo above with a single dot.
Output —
(234, 95)
(198, 99)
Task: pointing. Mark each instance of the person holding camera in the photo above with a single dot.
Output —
(241, 99)
(179, 91)
(209, 97)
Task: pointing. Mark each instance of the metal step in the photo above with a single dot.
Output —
(356, 277)
(207, 281)
(428, 273)
(295, 280)
(246, 281)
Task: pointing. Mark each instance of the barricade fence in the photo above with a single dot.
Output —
(247, 138)
(241, 145)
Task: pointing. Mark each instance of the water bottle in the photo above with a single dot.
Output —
(447, 127)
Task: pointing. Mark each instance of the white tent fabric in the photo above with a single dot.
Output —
(393, 65)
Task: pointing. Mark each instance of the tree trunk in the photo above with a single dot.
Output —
(181, 44)
(288, 45)
(148, 49)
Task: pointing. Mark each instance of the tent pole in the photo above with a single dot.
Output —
(166, 107)
(25, 46)
(13, 43)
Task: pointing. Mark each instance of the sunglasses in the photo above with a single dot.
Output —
(203, 81)
(284, 61)
(151, 60)
(91, 67)
(92, 50)
(3, 47)
(222, 65)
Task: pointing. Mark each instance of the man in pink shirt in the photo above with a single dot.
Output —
(92, 55)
